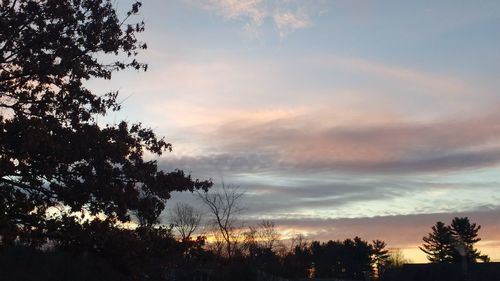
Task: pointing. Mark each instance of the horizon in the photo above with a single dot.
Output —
(339, 119)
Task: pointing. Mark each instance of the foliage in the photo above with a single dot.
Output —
(451, 244)
(28, 264)
(438, 244)
(350, 258)
(380, 256)
(131, 251)
(53, 153)
(465, 236)
(260, 245)
(297, 263)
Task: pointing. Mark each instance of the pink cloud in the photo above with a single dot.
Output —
(297, 141)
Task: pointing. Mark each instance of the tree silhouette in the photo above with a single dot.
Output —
(350, 258)
(268, 234)
(259, 245)
(224, 205)
(396, 258)
(185, 219)
(53, 153)
(438, 244)
(380, 256)
(297, 263)
(465, 235)
(448, 244)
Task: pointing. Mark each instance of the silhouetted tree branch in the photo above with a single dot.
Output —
(185, 219)
(224, 204)
(53, 152)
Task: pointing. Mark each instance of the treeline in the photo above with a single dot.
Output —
(103, 250)
(81, 200)
(350, 259)
(100, 249)
(260, 248)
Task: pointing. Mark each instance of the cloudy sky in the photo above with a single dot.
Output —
(338, 118)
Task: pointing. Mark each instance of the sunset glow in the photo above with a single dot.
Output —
(338, 118)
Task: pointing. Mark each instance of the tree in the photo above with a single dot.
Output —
(450, 244)
(361, 258)
(350, 258)
(268, 234)
(132, 251)
(297, 263)
(380, 256)
(465, 235)
(185, 219)
(264, 235)
(397, 258)
(53, 152)
(438, 244)
(224, 205)
(259, 244)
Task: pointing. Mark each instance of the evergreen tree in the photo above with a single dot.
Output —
(438, 244)
(380, 256)
(449, 244)
(350, 258)
(465, 235)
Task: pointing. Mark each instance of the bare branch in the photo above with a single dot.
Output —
(224, 204)
(185, 219)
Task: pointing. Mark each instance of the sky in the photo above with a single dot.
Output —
(337, 118)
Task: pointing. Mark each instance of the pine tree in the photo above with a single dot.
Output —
(465, 235)
(449, 244)
(380, 256)
(438, 245)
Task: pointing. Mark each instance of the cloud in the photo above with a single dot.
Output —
(229, 88)
(297, 167)
(303, 195)
(286, 15)
(280, 132)
(251, 11)
(434, 82)
(311, 145)
(289, 21)
(410, 228)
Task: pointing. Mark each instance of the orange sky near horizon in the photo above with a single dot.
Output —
(338, 118)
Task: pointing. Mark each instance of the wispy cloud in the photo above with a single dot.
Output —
(288, 21)
(302, 167)
(435, 83)
(411, 228)
(286, 15)
(397, 147)
(252, 12)
(346, 85)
